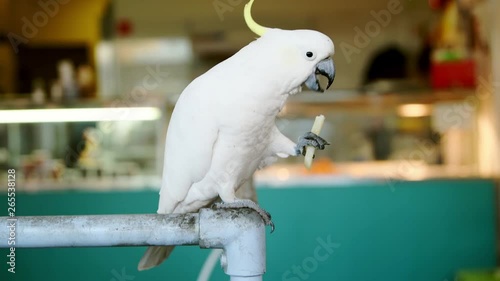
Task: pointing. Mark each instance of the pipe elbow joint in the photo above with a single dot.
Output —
(241, 234)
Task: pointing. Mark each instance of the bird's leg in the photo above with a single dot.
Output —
(247, 203)
(310, 139)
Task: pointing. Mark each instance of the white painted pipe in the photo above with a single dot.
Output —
(239, 232)
(209, 265)
(244, 233)
(102, 231)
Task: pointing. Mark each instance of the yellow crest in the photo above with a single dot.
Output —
(255, 27)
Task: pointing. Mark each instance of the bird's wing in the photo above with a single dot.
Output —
(191, 136)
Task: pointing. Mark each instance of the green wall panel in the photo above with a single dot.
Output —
(413, 231)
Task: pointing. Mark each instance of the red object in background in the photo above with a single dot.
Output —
(454, 74)
(124, 27)
(437, 4)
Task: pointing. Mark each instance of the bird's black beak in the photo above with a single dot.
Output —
(326, 68)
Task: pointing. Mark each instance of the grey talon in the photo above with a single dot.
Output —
(310, 139)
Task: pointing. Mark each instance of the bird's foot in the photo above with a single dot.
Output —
(310, 139)
(246, 203)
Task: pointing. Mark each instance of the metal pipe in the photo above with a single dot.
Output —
(102, 231)
(239, 232)
(244, 241)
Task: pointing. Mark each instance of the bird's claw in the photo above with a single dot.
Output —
(310, 139)
(246, 203)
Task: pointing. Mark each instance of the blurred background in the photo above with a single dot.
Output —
(407, 190)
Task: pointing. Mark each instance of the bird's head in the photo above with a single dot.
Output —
(303, 53)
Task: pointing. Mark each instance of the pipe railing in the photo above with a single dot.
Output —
(239, 232)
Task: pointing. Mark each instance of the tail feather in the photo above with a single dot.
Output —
(154, 256)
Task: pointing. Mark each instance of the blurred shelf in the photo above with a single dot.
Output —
(326, 173)
(352, 100)
(24, 101)
(102, 184)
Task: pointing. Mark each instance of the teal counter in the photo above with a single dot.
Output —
(413, 231)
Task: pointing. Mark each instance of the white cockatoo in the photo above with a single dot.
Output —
(223, 126)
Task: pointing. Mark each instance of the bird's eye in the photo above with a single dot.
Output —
(310, 55)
